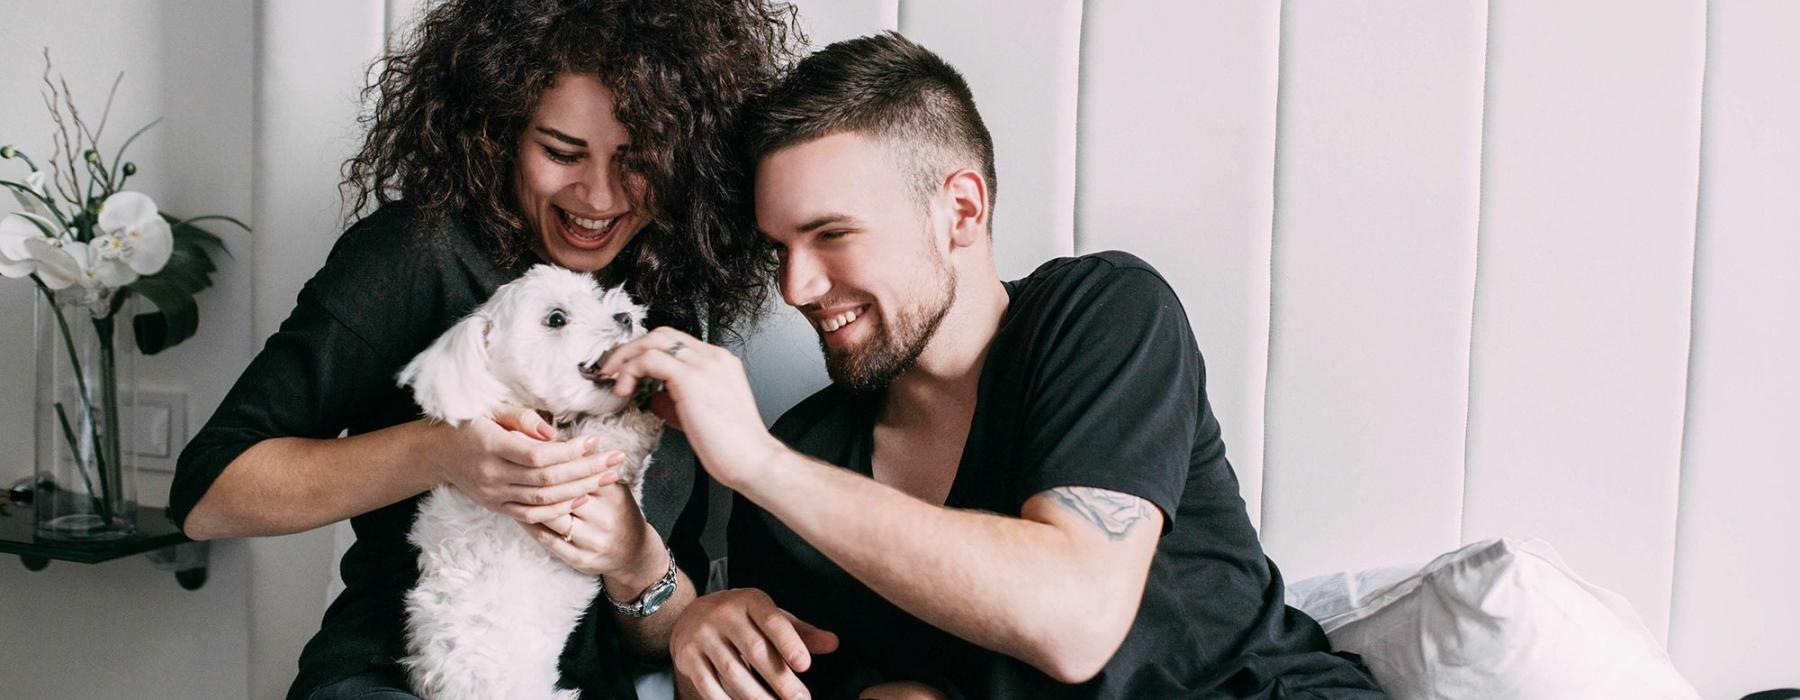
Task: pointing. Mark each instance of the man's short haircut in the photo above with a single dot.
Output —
(887, 87)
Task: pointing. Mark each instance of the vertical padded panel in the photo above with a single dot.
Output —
(782, 355)
(1736, 617)
(1019, 57)
(1376, 196)
(309, 65)
(1181, 173)
(1581, 310)
(829, 21)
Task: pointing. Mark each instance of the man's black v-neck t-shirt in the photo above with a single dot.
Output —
(1093, 379)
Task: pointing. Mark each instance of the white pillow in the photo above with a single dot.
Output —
(1497, 619)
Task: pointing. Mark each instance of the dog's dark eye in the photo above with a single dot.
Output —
(556, 319)
(623, 319)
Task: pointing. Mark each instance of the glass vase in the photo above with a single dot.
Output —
(86, 472)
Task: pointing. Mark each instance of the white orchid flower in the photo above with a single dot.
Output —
(26, 249)
(37, 183)
(133, 240)
(17, 259)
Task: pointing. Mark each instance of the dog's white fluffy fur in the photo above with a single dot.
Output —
(493, 608)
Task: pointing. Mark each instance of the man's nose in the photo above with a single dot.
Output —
(802, 279)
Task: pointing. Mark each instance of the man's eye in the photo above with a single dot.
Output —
(561, 157)
(832, 235)
(556, 319)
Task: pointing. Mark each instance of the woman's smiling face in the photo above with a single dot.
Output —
(580, 208)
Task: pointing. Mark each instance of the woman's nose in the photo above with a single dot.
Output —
(602, 190)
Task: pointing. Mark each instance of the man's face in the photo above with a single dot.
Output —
(861, 258)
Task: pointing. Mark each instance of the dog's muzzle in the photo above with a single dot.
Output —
(646, 387)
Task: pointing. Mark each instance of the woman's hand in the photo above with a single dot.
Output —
(726, 641)
(606, 535)
(511, 466)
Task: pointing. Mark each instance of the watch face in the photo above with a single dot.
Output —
(656, 596)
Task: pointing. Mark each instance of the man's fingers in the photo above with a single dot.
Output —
(736, 677)
(817, 641)
(658, 365)
(706, 681)
(779, 629)
(659, 338)
(770, 663)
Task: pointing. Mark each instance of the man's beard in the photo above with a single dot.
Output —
(894, 349)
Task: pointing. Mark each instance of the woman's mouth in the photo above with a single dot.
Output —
(583, 233)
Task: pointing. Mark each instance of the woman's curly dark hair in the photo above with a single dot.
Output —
(449, 108)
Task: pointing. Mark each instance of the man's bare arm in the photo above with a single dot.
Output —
(1057, 588)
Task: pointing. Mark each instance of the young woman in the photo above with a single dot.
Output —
(597, 136)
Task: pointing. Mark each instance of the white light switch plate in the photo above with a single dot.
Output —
(160, 418)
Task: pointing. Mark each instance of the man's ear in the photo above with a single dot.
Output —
(452, 380)
(967, 194)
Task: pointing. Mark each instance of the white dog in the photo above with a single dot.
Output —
(493, 608)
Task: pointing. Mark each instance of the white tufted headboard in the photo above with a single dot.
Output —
(1459, 269)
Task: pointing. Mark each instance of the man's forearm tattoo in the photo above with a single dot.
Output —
(1111, 512)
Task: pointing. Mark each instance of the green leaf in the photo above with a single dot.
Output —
(189, 263)
(176, 318)
(185, 231)
(220, 217)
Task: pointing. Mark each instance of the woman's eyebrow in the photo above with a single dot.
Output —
(560, 136)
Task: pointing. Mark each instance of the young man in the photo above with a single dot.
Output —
(1011, 489)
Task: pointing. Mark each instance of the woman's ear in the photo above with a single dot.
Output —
(452, 380)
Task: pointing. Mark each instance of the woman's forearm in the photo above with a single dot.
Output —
(286, 485)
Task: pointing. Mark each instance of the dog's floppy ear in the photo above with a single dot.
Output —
(452, 380)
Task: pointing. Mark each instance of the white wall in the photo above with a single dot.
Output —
(123, 629)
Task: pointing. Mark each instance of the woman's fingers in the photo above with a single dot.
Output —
(528, 452)
(525, 420)
(549, 495)
(574, 470)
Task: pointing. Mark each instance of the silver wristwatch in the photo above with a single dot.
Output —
(652, 599)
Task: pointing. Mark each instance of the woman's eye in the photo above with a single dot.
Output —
(561, 157)
(556, 319)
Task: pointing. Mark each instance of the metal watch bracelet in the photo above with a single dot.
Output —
(652, 599)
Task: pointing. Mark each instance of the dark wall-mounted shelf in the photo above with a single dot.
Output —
(155, 533)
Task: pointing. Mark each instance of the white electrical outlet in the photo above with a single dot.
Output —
(160, 420)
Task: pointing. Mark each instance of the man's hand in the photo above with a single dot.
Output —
(509, 466)
(722, 638)
(709, 399)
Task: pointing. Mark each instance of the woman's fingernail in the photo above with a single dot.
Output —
(588, 445)
(615, 458)
(579, 501)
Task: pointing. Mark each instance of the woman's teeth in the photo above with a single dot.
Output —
(597, 227)
(840, 320)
